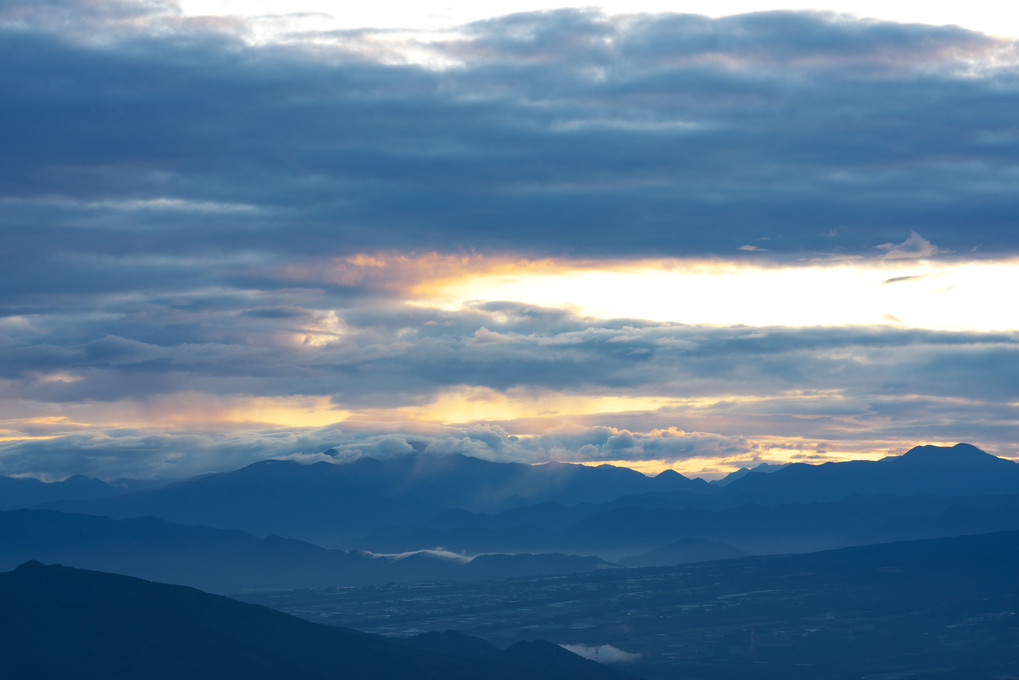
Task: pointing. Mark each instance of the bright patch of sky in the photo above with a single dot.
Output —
(928, 295)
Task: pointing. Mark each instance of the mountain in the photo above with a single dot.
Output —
(420, 502)
(336, 504)
(230, 561)
(615, 531)
(960, 470)
(60, 622)
(743, 472)
(24, 492)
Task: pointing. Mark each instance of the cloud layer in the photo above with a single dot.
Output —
(543, 384)
(188, 222)
(552, 132)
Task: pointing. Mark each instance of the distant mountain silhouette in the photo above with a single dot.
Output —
(616, 530)
(419, 501)
(18, 492)
(230, 561)
(335, 504)
(960, 470)
(743, 472)
(62, 623)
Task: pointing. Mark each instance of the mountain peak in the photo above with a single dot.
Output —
(961, 447)
(960, 453)
(31, 566)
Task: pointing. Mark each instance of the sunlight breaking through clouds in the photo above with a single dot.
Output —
(227, 236)
(933, 295)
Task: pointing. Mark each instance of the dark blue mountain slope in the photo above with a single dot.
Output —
(61, 623)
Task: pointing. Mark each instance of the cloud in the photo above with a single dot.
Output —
(865, 394)
(192, 222)
(104, 22)
(437, 554)
(202, 365)
(901, 279)
(914, 247)
(557, 131)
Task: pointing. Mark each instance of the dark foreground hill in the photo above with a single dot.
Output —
(61, 623)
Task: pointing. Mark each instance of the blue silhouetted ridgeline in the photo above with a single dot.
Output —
(21, 492)
(335, 504)
(960, 470)
(339, 505)
(230, 561)
(545, 516)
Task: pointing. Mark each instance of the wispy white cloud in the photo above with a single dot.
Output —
(914, 247)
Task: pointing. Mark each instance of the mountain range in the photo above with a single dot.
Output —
(282, 524)
(336, 504)
(24, 492)
(231, 561)
(960, 470)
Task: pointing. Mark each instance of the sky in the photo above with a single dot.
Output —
(695, 236)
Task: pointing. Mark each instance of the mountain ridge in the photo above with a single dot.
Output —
(959, 470)
(421, 501)
(230, 561)
(332, 503)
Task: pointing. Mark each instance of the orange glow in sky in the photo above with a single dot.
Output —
(473, 404)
